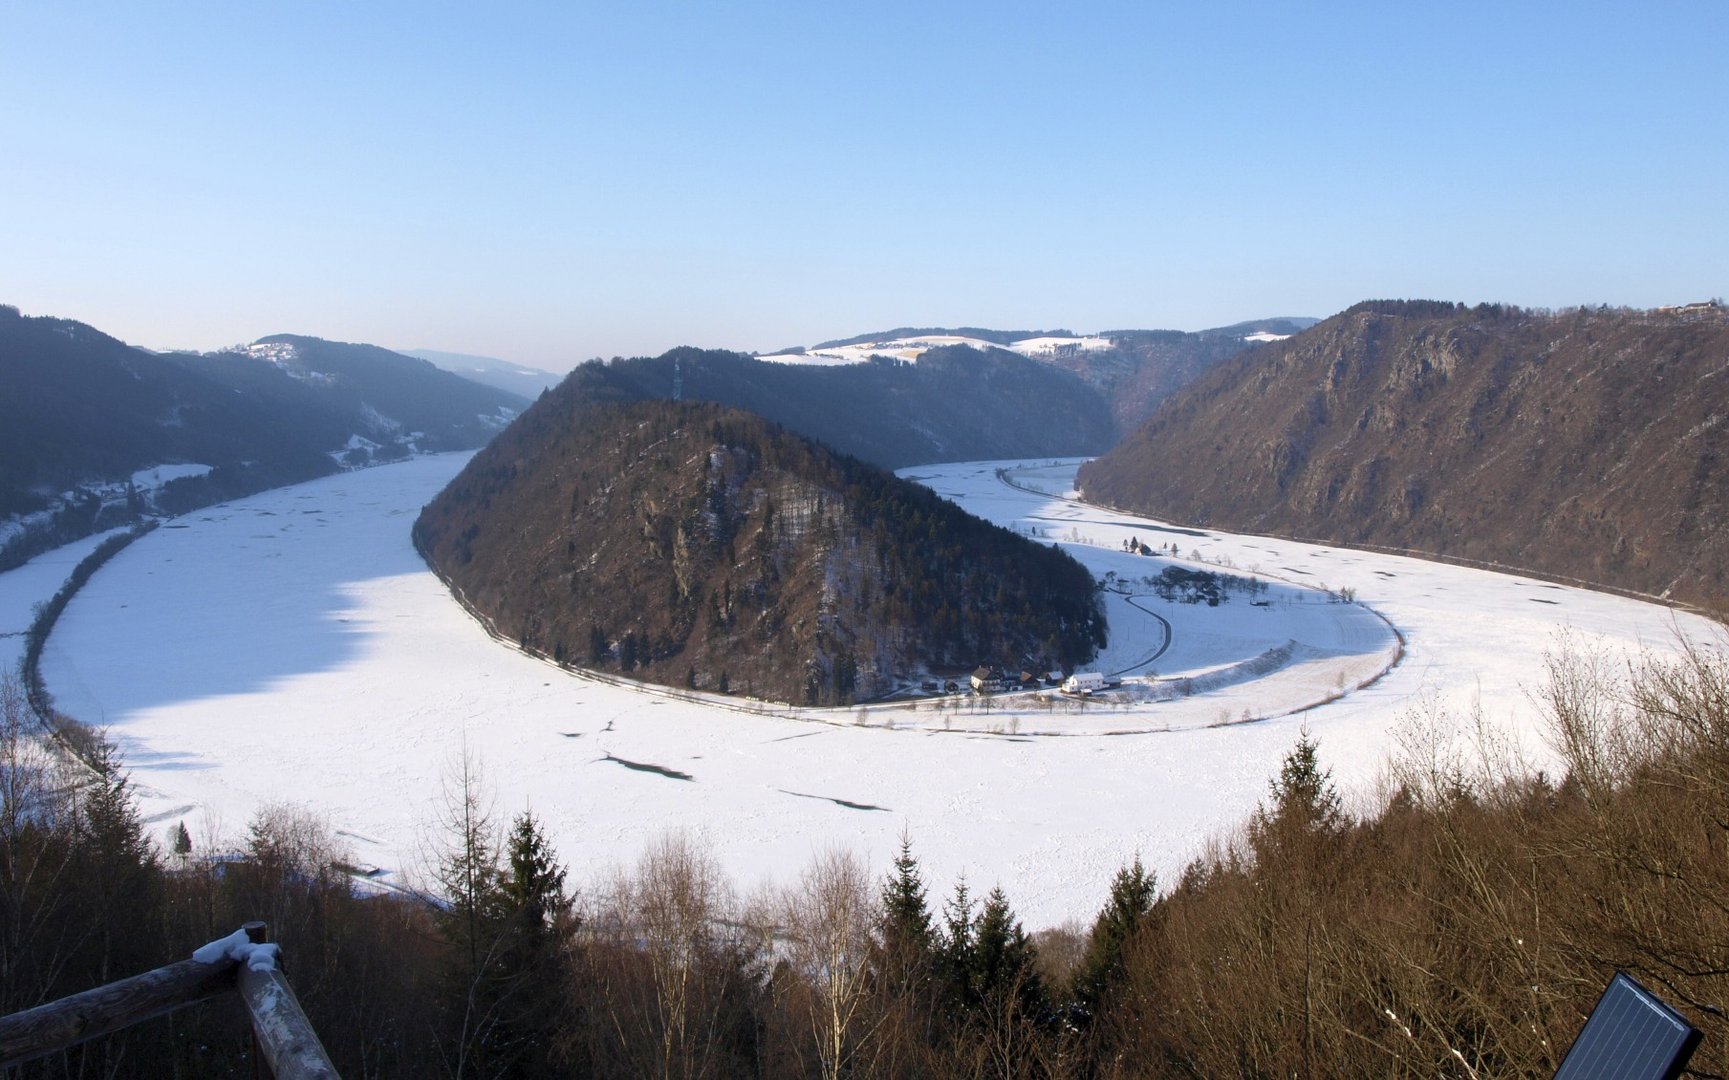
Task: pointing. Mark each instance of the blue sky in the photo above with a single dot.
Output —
(547, 183)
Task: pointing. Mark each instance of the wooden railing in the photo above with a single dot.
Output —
(283, 1038)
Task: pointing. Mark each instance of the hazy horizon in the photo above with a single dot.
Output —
(543, 185)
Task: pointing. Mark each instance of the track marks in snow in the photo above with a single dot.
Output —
(643, 766)
(163, 815)
(848, 803)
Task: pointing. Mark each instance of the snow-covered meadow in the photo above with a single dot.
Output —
(35, 583)
(909, 349)
(293, 647)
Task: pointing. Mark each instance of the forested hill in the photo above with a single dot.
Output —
(1132, 369)
(81, 412)
(699, 546)
(81, 406)
(385, 397)
(1143, 367)
(1587, 444)
(954, 404)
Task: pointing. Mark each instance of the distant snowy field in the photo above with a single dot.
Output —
(292, 647)
(911, 348)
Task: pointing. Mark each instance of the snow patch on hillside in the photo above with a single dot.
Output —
(274, 352)
(380, 423)
(153, 478)
(1042, 347)
(498, 420)
(909, 349)
(285, 355)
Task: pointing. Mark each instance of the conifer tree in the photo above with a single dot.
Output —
(1009, 1006)
(117, 891)
(532, 973)
(1304, 795)
(116, 863)
(905, 960)
(1004, 975)
(471, 919)
(534, 893)
(955, 950)
(906, 920)
(1102, 966)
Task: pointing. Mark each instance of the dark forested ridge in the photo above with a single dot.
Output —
(80, 405)
(80, 409)
(77, 406)
(699, 546)
(1587, 444)
(1143, 367)
(384, 396)
(954, 404)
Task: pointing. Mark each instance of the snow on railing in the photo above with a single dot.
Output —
(283, 1037)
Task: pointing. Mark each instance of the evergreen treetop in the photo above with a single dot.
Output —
(1133, 891)
(906, 918)
(1304, 794)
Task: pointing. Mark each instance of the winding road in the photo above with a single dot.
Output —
(1164, 646)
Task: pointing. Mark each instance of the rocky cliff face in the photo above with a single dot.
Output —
(1589, 444)
(697, 546)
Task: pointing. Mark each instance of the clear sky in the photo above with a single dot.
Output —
(550, 182)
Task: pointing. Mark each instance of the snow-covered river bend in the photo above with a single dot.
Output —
(292, 647)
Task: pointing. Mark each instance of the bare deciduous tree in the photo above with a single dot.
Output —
(829, 920)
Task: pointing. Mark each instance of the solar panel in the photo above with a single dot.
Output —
(1630, 1035)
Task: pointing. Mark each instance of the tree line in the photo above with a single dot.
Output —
(1462, 923)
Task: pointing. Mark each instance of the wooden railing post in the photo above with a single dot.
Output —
(47, 1029)
(282, 1038)
(257, 932)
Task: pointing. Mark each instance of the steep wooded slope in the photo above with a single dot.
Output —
(693, 545)
(80, 412)
(1588, 444)
(77, 405)
(955, 404)
(1144, 367)
(397, 401)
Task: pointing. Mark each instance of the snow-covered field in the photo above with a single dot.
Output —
(34, 583)
(293, 647)
(911, 348)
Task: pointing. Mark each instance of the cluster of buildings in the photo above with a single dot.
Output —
(988, 679)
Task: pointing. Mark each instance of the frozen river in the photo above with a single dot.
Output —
(293, 647)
